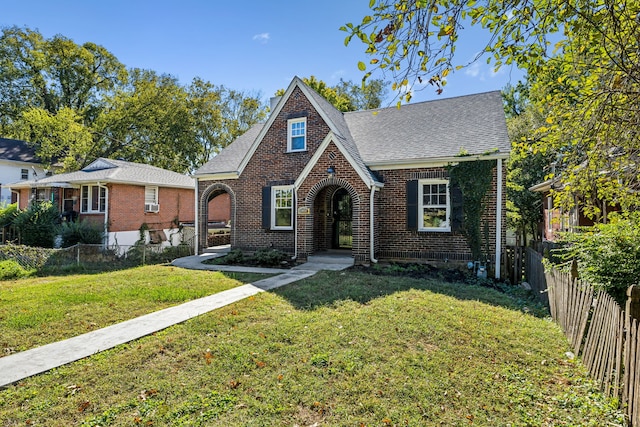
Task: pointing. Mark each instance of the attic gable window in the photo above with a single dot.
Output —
(297, 134)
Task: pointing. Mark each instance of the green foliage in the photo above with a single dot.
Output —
(8, 214)
(38, 224)
(607, 255)
(78, 102)
(525, 167)
(10, 269)
(30, 258)
(81, 232)
(474, 180)
(270, 257)
(347, 96)
(236, 256)
(586, 85)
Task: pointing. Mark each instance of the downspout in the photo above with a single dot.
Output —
(498, 218)
(372, 247)
(106, 212)
(295, 225)
(196, 223)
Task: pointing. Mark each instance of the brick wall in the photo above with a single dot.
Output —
(271, 164)
(126, 207)
(395, 241)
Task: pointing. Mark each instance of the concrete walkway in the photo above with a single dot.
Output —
(21, 365)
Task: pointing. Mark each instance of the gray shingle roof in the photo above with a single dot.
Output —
(229, 159)
(432, 129)
(425, 131)
(116, 171)
(16, 150)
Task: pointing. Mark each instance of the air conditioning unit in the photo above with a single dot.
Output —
(151, 207)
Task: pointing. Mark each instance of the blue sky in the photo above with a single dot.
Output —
(253, 46)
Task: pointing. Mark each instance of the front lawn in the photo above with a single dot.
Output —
(39, 311)
(336, 349)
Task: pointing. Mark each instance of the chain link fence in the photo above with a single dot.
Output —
(99, 257)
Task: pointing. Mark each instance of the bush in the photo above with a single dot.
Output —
(270, 257)
(236, 256)
(38, 224)
(607, 255)
(85, 232)
(10, 270)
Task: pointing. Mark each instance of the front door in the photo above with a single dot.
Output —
(342, 212)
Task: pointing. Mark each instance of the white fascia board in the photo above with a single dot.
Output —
(432, 162)
(217, 176)
(320, 151)
(296, 82)
(267, 126)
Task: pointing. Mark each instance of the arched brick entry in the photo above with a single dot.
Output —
(206, 196)
(315, 230)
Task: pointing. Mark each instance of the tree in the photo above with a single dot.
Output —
(53, 74)
(75, 103)
(347, 96)
(587, 84)
(524, 168)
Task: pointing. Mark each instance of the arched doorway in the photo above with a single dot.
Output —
(342, 219)
(216, 216)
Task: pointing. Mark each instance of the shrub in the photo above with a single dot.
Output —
(81, 232)
(236, 256)
(270, 257)
(607, 255)
(38, 224)
(10, 269)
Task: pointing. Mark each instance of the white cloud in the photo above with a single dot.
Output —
(473, 70)
(262, 38)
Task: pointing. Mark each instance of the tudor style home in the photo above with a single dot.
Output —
(124, 196)
(374, 184)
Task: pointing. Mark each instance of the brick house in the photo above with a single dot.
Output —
(124, 196)
(374, 184)
(556, 220)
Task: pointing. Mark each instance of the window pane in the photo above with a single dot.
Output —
(443, 200)
(434, 218)
(297, 143)
(94, 198)
(85, 199)
(283, 217)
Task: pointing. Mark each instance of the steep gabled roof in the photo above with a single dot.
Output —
(114, 171)
(17, 151)
(229, 159)
(415, 134)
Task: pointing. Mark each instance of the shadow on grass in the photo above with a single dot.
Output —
(328, 287)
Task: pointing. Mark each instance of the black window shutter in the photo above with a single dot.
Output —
(457, 217)
(412, 205)
(266, 208)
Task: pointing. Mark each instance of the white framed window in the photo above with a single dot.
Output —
(24, 173)
(93, 199)
(434, 205)
(297, 134)
(282, 207)
(151, 199)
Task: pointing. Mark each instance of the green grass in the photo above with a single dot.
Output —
(39, 311)
(337, 349)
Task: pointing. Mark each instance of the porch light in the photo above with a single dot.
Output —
(331, 171)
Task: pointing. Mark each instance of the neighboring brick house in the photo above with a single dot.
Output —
(18, 161)
(555, 219)
(374, 183)
(126, 197)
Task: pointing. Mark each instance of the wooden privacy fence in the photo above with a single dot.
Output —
(606, 338)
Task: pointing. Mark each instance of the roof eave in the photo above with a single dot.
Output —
(217, 176)
(432, 161)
